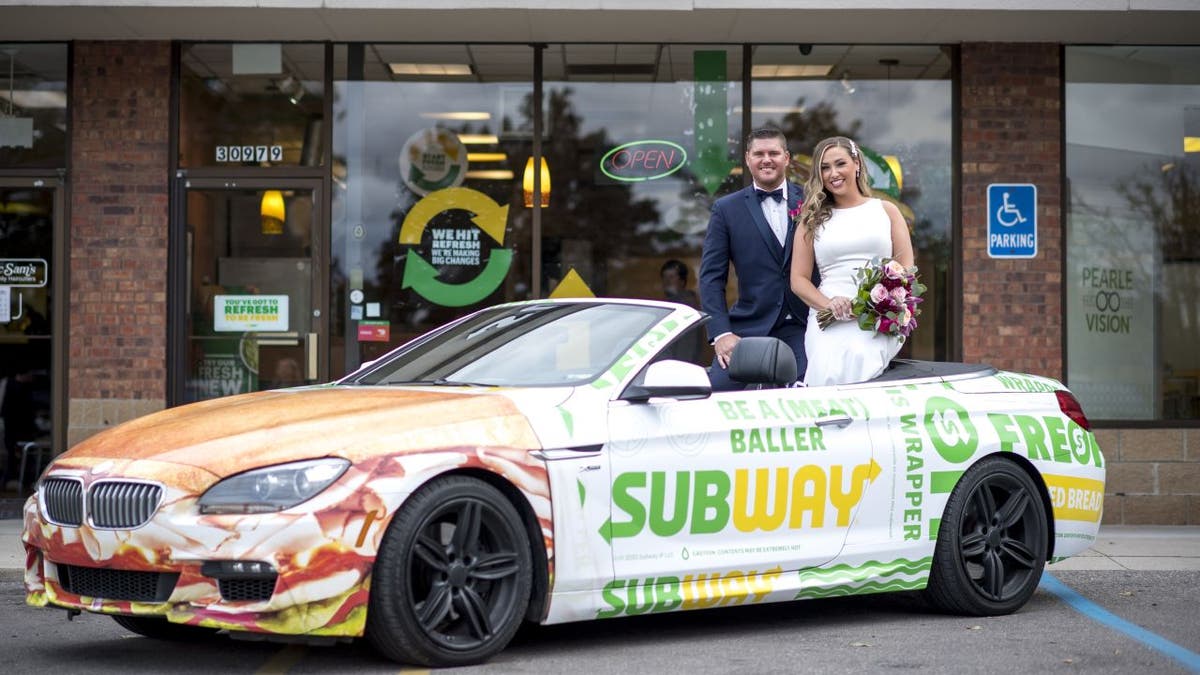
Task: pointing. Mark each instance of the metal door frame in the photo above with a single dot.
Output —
(59, 254)
(178, 283)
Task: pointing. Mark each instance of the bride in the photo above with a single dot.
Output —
(840, 229)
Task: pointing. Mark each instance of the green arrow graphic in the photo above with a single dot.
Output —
(712, 164)
(880, 173)
(422, 278)
(606, 531)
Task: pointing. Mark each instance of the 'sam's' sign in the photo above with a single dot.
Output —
(643, 160)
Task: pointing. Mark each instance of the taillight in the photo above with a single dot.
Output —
(1070, 407)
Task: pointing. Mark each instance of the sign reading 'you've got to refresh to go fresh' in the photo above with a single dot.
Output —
(240, 313)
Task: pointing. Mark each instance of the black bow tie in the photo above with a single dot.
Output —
(776, 194)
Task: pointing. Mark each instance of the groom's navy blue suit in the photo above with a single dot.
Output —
(738, 233)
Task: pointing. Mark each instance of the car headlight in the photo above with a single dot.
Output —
(273, 488)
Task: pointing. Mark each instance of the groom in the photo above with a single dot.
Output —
(752, 229)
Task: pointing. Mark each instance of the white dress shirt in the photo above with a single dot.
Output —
(776, 213)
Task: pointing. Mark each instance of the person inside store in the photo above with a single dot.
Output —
(674, 274)
(842, 227)
(287, 373)
(749, 229)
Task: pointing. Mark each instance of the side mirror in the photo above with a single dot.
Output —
(670, 379)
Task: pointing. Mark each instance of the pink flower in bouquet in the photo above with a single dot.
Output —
(885, 301)
(893, 274)
(879, 293)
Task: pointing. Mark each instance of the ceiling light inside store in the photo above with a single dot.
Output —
(487, 157)
(272, 212)
(490, 174)
(464, 116)
(847, 86)
(774, 70)
(772, 109)
(431, 69)
(478, 139)
(543, 177)
(29, 99)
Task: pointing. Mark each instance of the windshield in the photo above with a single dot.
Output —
(524, 345)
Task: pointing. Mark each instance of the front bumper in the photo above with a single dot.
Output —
(322, 562)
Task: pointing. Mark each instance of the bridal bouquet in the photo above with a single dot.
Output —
(887, 301)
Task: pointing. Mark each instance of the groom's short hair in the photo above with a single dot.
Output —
(766, 133)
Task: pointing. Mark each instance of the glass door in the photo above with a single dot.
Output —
(29, 382)
(254, 313)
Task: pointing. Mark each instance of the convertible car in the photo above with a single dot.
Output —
(552, 461)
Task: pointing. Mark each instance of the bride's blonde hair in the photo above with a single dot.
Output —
(818, 203)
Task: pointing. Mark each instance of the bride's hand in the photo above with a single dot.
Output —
(840, 307)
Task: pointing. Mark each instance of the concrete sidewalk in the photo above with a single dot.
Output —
(1119, 547)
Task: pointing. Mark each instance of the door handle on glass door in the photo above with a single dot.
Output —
(310, 346)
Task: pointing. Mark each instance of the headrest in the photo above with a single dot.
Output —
(763, 360)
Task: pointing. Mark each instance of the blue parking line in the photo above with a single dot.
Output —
(1186, 657)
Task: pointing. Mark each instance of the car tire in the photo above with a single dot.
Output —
(161, 629)
(992, 542)
(452, 580)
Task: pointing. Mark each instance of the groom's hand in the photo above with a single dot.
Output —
(724, 348)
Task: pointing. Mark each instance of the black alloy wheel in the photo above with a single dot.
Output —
(452, 579)
(992, 544)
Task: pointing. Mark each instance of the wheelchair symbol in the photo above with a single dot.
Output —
(1008, 214)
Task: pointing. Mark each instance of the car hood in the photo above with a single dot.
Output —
(228, 435)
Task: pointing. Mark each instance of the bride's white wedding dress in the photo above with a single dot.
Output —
(843, 353)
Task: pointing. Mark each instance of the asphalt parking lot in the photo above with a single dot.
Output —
(1126, 605)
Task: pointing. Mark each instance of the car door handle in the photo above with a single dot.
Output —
(554, 454)
(839, 421)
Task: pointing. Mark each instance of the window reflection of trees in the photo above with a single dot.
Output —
(1170, 204)
(609, 217)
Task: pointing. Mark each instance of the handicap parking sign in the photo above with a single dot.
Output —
(1012, 220)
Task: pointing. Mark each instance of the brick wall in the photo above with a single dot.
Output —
(1153, 476)
(118, 232)
(1012, 133)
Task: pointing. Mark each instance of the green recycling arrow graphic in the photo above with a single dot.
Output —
(422, 278)
(712, 164)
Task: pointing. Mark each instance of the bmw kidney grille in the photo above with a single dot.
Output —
(110, 504)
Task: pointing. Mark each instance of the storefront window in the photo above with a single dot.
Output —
(33, 105)
(251, 105)
(641, 139)
(1133, 231)
(428, 217)
(896, 103)
(431, 142)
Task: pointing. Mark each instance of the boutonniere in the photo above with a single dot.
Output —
(794, 214)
